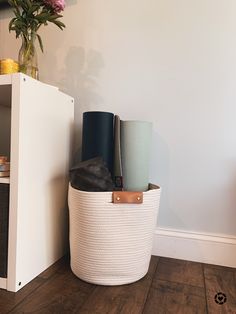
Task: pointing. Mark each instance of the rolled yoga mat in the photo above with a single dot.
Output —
(117, 172)
(135, 154)
(98, 136)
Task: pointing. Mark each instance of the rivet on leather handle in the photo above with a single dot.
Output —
(127, 197)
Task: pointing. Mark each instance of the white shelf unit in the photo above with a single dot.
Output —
(36, 129)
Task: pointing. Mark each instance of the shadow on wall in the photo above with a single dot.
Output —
(160, 170)
(229, 215)
(79, 79)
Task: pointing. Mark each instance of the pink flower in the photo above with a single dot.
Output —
(56, 5)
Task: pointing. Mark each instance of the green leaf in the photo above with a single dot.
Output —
(30, 15)
(33, 9)
(11, 3)
(11, 24)
(17, 13)
(54, 17)
(42, 16)
(40, 42)
(59, 24)
(12, 28)
(29, 4)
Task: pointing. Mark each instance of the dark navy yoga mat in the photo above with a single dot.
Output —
(98, 136)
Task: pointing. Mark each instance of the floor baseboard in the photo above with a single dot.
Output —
(198, 247)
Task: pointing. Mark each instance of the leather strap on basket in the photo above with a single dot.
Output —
(124, 197)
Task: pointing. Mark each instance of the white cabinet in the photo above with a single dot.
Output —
(36, 127)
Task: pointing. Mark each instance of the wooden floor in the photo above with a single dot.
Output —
(171, 286)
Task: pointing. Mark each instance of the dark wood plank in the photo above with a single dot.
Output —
(62, 293)
(180, 271)
(175, 298)
(59, 266)
(58, 291)
(8, 300)
(124, 299)
(220, 279)
(218, 267)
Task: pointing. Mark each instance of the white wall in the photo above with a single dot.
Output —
(171, 62)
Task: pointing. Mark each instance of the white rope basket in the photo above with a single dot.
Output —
(111, 244)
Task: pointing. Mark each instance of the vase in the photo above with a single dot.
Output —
(27, 58)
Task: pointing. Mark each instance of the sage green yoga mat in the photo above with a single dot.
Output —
(135, 154)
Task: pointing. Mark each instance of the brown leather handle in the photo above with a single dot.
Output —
(124, 197)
